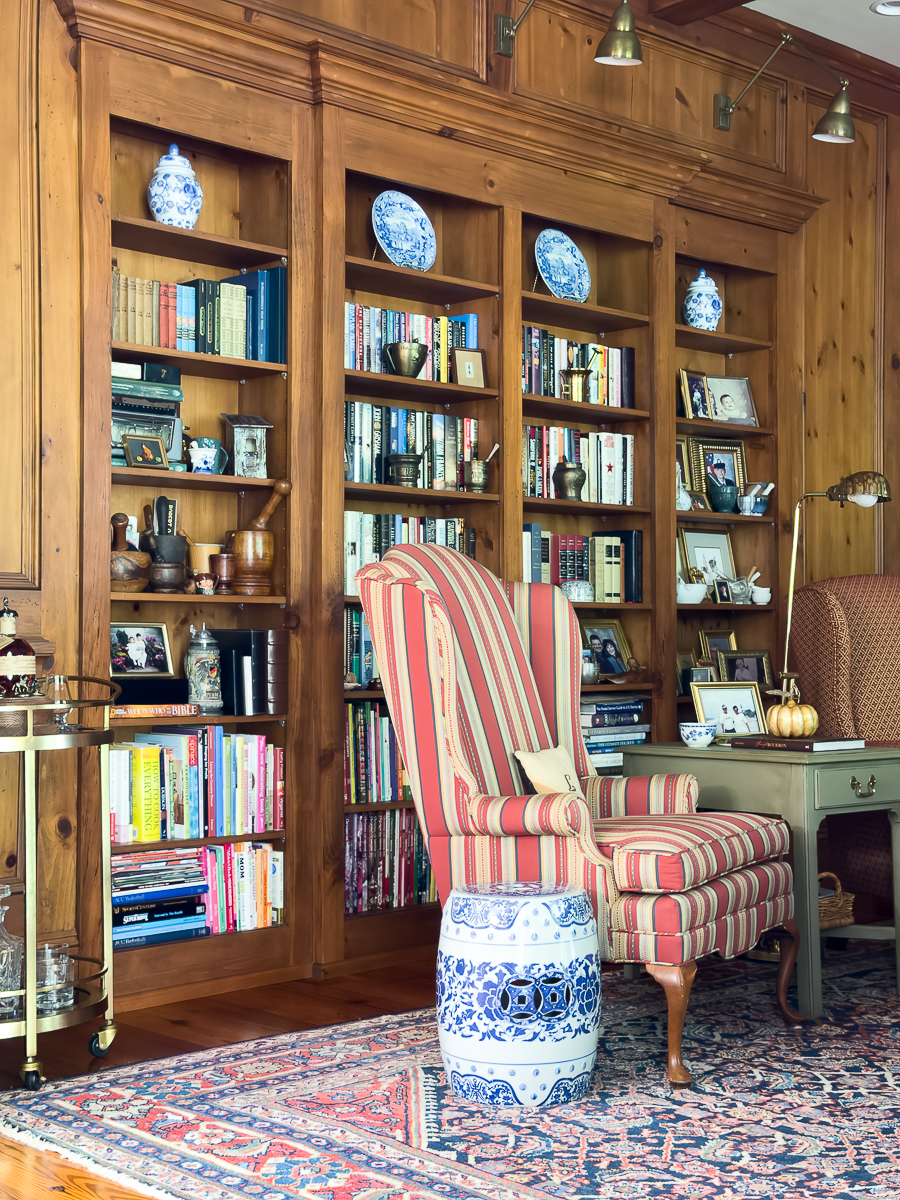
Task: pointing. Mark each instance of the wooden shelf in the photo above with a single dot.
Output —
(184, 479)
(195, 943)
(684, 699)
(705, 340)
(385, 279)
(711, 606)
(616, 687)
(197, 598)
(393, 804)
(724, 429)
(711, 518)
(390, 491)
(210, 366)
(402, 388)
(271, 835)
(380, 912)
(360, 694)
(569, 314)
(202, 719)
(595, 414)
(623, 605)
(149, 237)
(577, 507)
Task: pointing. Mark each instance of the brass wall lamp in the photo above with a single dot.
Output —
(836, 125)
(619, 46)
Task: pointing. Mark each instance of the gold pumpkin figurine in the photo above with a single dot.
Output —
(791, 719)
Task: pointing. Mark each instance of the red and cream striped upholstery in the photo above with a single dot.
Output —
(475, 669)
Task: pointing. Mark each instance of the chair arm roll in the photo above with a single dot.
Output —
(640, 795)
(560, 814)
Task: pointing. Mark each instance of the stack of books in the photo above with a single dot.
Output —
(246, 886)
(607, 460)
(373, 431)
(611, 379)
(385, 864)
(373, 766)
(367, 536)
(613, 561)
(254, 664)
(240, 317)
(367, 329)
(608, 725)
(359, 653)
(194, 781)
(158, 896)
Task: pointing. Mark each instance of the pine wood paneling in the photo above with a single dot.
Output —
(891, 353)
(840, 346)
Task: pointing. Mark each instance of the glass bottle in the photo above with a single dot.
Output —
(10, 962)
(202, 669)
(18, 668)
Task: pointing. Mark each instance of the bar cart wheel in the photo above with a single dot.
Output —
(101, 1041)
(31, 1076)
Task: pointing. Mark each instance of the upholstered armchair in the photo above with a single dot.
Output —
(475, 669)
(846, 648)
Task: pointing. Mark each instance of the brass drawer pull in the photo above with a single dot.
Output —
(857, 787)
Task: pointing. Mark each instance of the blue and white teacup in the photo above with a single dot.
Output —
(697, 735)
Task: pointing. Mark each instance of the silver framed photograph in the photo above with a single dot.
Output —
(731, 400)
(736, 708)
(139, 648)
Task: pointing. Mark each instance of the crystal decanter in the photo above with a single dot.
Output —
(18, 668)
(10, 962)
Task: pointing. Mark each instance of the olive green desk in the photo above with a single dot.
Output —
(803, 789)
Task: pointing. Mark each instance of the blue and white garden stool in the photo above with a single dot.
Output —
(518, 993)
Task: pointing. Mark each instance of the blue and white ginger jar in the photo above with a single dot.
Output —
(518, 993)
(702, 308)
(174, 195)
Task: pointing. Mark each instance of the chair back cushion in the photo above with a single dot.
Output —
(846, 647)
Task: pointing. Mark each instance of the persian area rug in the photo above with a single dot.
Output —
(362, 1111)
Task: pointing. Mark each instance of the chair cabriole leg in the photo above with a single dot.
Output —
(676, 982)
(788, 958)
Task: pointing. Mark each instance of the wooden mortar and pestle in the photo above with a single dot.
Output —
(167, 554)
(129, 570)
(254, 549)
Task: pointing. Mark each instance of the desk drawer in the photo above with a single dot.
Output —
(835, 788)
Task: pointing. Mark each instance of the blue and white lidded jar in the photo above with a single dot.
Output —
(702, 308)
(174, 195)
(518, 993)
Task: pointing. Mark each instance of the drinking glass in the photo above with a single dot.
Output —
(55, 969)
(59, 693)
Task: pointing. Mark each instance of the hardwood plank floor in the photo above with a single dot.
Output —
(193, 1025)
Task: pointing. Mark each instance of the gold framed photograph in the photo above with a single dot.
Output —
(683, 460)
(468, 367)
(141, 450)
(731, 400)
(736, 708)
(699, 502)
(683, 665)
(714, 640)
(608, 644)
(722, 462)
(722, 592)
(694, 394)
(707, 552)
(745, 666)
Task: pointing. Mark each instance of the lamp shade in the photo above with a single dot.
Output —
(837, 124)
(619, 46)
(865, 488)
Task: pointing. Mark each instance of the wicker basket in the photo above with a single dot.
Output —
(836, 910)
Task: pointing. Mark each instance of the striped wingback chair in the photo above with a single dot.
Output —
(475, 669)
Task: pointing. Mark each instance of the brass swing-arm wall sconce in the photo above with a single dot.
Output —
(619, 47)
(837, 124)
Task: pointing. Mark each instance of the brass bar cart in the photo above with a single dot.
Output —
(28, 728)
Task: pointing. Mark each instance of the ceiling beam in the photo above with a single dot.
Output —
(682, 12)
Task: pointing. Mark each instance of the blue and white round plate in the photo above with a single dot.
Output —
(403, 231)
(562, 266)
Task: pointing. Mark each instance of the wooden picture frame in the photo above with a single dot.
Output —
(694, 394)
(468, 367)
(707, 454)
(699, 502)
(731, 400)
(714, 640)
(141, 450)
(753, 666)
(594, 635)
(708, 551)
(735, 707)
(140, 649)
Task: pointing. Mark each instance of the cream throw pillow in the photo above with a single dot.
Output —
(550, 770)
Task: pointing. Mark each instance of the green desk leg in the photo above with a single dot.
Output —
(806, 905)
(894, 818)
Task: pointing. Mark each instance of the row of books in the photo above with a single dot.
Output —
(373, 431)
(368, 536)
(609, 725)
(373, 765)
(606, 458)
(385, 864)
(613, 561)
(178, 894)
(359, 655)
(368, 329)
(544, 356)
(240, 317)
(191, 782)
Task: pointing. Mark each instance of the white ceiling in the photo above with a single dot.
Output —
(847, 22)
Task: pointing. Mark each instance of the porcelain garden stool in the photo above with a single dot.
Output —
(518, 993)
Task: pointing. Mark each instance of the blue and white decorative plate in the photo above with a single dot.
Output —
(403, 231)
(562, 266)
